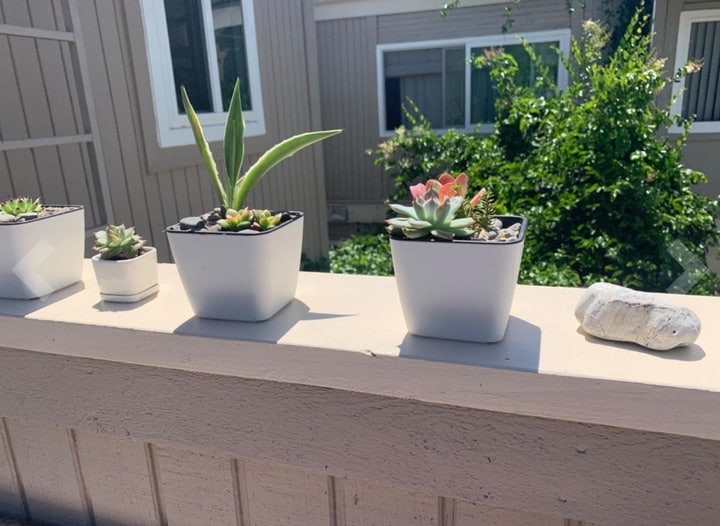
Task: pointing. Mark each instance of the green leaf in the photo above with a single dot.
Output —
(272, 157)
(204, 147)
(234, 136)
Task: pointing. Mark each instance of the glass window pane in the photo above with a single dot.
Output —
(187, 47)
(231, 50)
(414, 75)
(455, 67)
(482, 92)
(703, 87)
(433, 79)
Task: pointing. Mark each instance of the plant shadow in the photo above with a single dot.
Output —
(269, 331)
(687, 353)
(519, 350)
(14, 307)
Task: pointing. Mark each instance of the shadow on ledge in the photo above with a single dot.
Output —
(689, 353)
(519, 350)
(268, 331)
(24, 307)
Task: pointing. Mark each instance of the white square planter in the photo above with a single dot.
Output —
(242, 276)
(127, 280)
(458, 290)
(42, 255)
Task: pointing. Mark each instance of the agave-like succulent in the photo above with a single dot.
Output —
(438, 209)
(21, 205)
(232, 189)
(118, 242)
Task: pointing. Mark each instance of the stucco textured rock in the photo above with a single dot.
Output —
(617, 313)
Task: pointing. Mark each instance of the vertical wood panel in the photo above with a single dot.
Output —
(196, 488)
(11, 499)
(80, 185)
(117, 480)
(366, 503)
(283, 48)
(348, 85)
(46, 469)
(285, 496)
(21, 167)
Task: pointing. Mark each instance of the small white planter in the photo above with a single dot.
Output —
(127, 280)
(41, 256)
(458, 290)
(242, 276)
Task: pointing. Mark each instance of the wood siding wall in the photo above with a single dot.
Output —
(701, 150)
(150, 187)
(40, 100)
(348, 76)
(68, 477)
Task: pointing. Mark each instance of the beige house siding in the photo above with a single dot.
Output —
(348, 79)
(150, 187)
(701, 150)
(39, 103)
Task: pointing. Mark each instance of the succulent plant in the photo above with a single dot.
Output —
(118, 242)
(21, 205)
(233, 189)
(264, 219)
(237, 220)
(439, 209)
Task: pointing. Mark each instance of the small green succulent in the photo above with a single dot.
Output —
(237, 220)
(118, 242)
(21, 205)
(255, 219)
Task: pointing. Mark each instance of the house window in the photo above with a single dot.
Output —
(699, 96)
(447, 89)
(204, 45)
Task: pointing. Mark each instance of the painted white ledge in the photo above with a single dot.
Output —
(319, 393)
(362, 314)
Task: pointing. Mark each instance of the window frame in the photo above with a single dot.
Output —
(687, 19)
(556, 35)
(172, 127)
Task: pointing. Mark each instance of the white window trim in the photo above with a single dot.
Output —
(343, 9)
(687, 19)
(172, 127)
(560, 35)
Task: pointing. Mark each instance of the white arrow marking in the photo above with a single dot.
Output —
(27, 269)
(694, 268)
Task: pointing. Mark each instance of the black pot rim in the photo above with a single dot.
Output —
(173, 229)
(507, 219)
(70, 208)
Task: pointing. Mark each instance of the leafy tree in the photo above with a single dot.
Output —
(593, 169)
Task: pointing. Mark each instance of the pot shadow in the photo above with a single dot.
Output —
(269, 331)
(118, 306)
(13, 307)
(688, 353)
(519, 350)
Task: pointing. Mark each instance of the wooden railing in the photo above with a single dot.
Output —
(330, 414)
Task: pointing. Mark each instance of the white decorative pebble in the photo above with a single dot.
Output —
(617, 313)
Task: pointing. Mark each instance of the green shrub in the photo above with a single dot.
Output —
(362, 254)
(593, 169)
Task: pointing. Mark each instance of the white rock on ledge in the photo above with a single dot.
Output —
(617, 313)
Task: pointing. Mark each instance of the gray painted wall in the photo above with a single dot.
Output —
(149, 187)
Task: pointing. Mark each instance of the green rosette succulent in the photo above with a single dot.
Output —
(118, 242)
